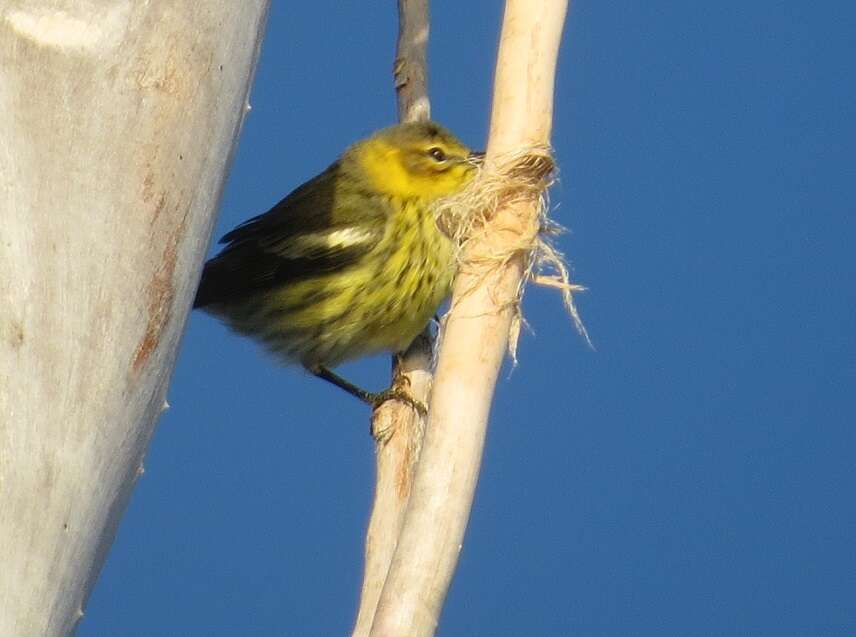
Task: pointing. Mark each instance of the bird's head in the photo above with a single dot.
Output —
(419, 160)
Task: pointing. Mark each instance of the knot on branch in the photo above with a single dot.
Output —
(399, 73)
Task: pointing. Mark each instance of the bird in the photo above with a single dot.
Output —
(352, 262)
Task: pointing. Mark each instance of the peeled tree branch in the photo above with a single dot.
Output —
(396, 427)
(494, 262)
(119, 122)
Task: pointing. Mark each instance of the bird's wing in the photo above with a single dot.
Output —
(322, 226)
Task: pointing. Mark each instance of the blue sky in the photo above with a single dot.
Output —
(692, 476)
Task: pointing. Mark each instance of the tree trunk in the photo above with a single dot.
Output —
(119, 120)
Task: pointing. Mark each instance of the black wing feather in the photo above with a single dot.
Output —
(264, 252)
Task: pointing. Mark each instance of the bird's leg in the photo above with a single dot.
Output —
(398, 391)
(331, 377)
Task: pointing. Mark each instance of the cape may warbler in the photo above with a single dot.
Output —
(351, 262)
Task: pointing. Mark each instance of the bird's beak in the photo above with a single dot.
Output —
(476, 157)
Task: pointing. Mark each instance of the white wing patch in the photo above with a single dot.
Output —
(317, 243)
(344, 237)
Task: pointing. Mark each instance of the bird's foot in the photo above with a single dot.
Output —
(400, 390)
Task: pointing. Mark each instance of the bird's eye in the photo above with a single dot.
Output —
(437, 153)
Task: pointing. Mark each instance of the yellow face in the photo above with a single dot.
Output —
(421, 160)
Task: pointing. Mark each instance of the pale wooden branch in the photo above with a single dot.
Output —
(411, 61)
(397, 428)
(119, 122)
(475, 335)
(398, 431)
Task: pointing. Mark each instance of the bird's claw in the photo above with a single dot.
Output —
(401, 392)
